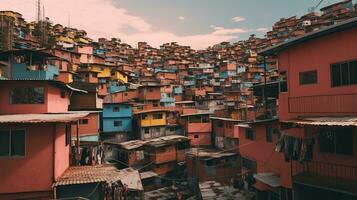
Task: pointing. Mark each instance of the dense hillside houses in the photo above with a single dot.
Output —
(264, 118)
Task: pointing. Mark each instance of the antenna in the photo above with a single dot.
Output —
(38, 9)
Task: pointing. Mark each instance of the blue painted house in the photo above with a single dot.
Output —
(30, 65)
(117, 118)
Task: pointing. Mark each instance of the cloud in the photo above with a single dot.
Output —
(238, 19)
(226, 31)
(101, 18)
(262, 29)
(181, 18)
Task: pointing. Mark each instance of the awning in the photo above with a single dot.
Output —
(42, 118)
(268, 178)
(326, 121)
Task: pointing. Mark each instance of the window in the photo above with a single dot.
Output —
(63, 94)
(269, 133)
(140, 155)
(157, 116)
(172, 129)
(27, 95)
(144, 116)
(117, 123)
(196, 136)
(344, 74)
(83, 121)
(116, 109)
(249, 134)
(336, 141)
(220, 123)
(68, 134)
(309, 77)
(283, 86)
(12, 143)
(146, 130)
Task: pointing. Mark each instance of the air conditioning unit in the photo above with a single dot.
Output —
(306, 23)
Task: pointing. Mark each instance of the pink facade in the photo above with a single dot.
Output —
(46, 158)
(320, 98)
(200, 139)
(55, 99)
(87, 126)
(199, 127)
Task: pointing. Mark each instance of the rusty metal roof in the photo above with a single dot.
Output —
(88, 174)
(100, 173)
(151, 110)
(156, 142)
(42, 118)
(326, 121)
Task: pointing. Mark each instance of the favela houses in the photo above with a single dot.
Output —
(176, 100)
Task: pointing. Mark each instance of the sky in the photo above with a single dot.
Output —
(197, 23)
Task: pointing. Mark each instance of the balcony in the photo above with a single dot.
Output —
(327, 175)
(339, 103)
(24, 72)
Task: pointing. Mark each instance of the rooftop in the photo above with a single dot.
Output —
(347, 24)
(42, 118)
(326, 121)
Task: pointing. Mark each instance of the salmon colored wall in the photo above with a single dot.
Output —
(120, 97)
(65, 77)
(34, 171)
(56, 103)
(317, 54)
(264, 154)
(204, 139)
(199, 127)
(168, 155)
(133, 159)
(53, 101)
(61, 151)
(92, 128)
(146, 94)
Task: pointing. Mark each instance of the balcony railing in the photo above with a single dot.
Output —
(338, 103)
(337, 176)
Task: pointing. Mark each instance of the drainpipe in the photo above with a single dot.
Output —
(77, 142)
(265, 84)
(54, 158)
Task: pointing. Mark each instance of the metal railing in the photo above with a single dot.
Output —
(333, 172)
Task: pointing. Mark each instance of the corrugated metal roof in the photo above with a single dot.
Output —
(268, 178)
(226, 119)
(326, 121)
(42, 118)
(100, 173)
(156, 142)
(148, 174)
(198, 113)
(216, 190)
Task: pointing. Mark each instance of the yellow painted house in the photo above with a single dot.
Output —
(151, 118)
(104, 70)
(64, 39)
(120, 76)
